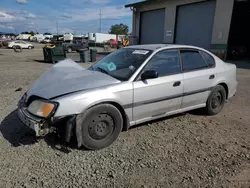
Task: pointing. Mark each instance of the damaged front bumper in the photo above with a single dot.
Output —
(43, 126)
(38, 125)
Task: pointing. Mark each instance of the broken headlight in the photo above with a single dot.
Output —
(42, 108)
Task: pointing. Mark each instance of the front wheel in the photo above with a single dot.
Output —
(216, 100)
(100, 126)
(29, 47)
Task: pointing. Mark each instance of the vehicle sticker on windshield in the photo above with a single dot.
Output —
(108, 66)
(111, 66)
(143, 52)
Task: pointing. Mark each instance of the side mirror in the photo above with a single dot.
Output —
(149, 74)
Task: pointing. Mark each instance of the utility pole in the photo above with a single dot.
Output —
(16, 30)
(57, 27)
(100, 14)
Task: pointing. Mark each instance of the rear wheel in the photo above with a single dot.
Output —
(29, 47)
(100, 126)
(216, 100)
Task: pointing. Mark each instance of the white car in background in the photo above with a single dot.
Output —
(46, 40)
(21, 44)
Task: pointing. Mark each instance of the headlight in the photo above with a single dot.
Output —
(41, 108)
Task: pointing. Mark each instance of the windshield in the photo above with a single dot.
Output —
(122, 63)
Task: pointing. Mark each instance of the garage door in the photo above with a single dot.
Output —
(152, 27)
(195, 23)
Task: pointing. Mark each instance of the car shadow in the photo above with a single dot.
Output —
(18, 134)
(58, 143)
(198, 112)
(15, 132)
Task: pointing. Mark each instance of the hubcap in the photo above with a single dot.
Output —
(101, 126)
(216, 100)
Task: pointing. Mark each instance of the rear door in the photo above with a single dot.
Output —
(155, 97)
(198, 77)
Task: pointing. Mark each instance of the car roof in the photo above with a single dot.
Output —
(159, 46)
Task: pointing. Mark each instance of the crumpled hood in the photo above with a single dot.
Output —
(66, 77)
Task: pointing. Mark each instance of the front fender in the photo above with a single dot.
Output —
(76, 103)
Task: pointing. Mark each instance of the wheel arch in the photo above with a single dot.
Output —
(223, 84)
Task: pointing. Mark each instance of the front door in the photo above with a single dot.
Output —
(198, 77)
(155, 97)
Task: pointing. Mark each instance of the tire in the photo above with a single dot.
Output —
(17, 48)
(29, 47)
(69, 50)
(99, 126)
(216, 100)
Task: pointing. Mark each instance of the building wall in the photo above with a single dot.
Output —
(222, 20)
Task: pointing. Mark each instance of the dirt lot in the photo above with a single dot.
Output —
(188, 150)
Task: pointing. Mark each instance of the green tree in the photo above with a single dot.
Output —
(119, 29)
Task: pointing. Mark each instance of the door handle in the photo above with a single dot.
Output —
(211, 76)
(178, 83)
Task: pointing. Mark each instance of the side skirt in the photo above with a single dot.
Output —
(132, 123)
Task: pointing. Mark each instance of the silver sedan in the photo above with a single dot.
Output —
(130, 86)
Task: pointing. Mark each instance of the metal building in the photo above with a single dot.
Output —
(204, 23)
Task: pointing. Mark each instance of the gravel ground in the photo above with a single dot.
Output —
(187, 150)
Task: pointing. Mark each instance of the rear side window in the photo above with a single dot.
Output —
(209, 59)
(192, 60)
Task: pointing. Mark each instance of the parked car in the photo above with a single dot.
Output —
(112, 43)
(76, 45)
(46, 40)
(22, 44)
(130, 86)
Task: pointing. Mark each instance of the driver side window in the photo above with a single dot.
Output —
(165, 62)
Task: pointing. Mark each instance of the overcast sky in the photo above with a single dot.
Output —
(78, 16)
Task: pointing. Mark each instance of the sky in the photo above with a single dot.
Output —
(74, 16)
